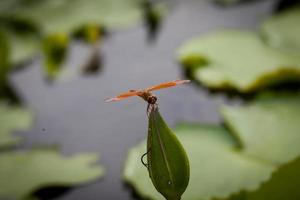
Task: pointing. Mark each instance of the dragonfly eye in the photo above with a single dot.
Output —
(152, 100)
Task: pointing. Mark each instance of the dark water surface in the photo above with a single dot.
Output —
(74, 115)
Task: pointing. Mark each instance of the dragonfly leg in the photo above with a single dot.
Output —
(151, 107)
(142, 158)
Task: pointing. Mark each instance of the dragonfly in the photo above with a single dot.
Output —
(146, 93)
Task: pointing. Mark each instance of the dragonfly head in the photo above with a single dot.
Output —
(152, 99)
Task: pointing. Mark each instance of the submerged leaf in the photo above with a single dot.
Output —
(237, 60)
(22, 173)
(90, 33)
(55, 49)
(4, 61)
(168, 163)
(218, 169)
(269, 127)
(283, 30)
(12, 118)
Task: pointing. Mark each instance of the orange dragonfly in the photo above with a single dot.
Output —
(146, 93)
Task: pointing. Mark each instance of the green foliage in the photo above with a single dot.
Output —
(22, 47)
(282, 30)
(168, 163)
(22, 173)
(66, 16)
(228, 2)
(12, 118)
(90, 33)
(4, 63)
(267, 128)
(55, 49)
(284, 184)
(29, 24)
(237, 60)
(218, 169)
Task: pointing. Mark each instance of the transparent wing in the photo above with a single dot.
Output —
(167, 85)
(124, 96)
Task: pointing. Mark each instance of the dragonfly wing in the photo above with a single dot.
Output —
(167, 85)
(124, 96)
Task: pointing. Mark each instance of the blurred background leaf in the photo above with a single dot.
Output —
(267, 128)
(281, 31)
(13, 118)
(22, 173)
(284, 184)
(237, 60)
(30, 23)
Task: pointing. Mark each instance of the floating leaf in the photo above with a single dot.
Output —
(284, 184)
(65, 16)
(12, 118)
(267, 128)
(22, 36)
(22, 173)
(22, 47)
(48, 19)
(168, 163)
(281, 30)
(218, 169)
(237, 60)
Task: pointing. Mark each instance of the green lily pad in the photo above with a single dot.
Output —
(23, 47)
(237, 60)
(267, 128)
(12, 118)
(66, 16)
(218, 169)
(22, 173)
(284, 184)
(283, 31)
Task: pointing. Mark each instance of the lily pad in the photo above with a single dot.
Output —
(284, 184)
(283, 31)
(218, 169)
(23, 47)
(12, 118)
(267, 128)
(237, 60)
(22, 173)
(66, 16)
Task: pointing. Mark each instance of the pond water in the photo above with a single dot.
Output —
(73, 115)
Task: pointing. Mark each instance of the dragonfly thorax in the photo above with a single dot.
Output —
(149, 97)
